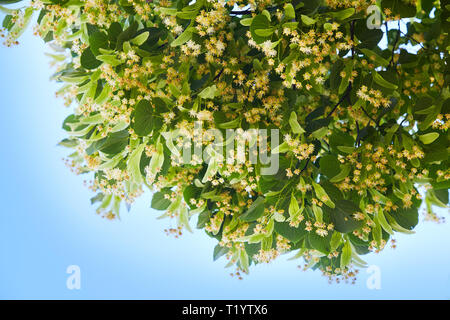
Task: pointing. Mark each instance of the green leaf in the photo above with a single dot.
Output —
(133, 164)
(191, 192)
(383, 222)
(343, 14)
(88, 60)
(211, 170)
(289, 11)
(182, 38)
(187, 15)
(440, 197)
(259, 22)
(243, 260)
(126, 35)
(230, 124)
(340, 138)
(246, 22)
(98, 198)
(329, 166)
(140, 39)
(396, 226)
(372, 56)
(168, 11)
(157, 159)
(377, 232)
(203, 218)
(294, 209)
(321, 244)
(68, 143)
(429, 137)
(369, 37)
(9, 1)
(109, 59)
(98, 40)
(281, 148)
(322, 195)
(159, 202)
(346, 256)
(143, 118)
(345, 80)
(307, 20)
(255, 211)
(345, 170)
(382, 82)
(219, 251)
(252, 248)
(264, 32)
(7, 22)
(183, 218)
(114, 143)
(342, 216)
(290, 25)
(399, 7)
(114, 31)
(346, 149)
(267, 14)
(208, 93)
(292, 234)
(407, 218)
(256, 238)
(295, 126)
(336, 240)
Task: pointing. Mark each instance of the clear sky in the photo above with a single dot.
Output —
(48, 224)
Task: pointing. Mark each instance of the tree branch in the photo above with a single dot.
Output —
(239, 13)
(248, 11)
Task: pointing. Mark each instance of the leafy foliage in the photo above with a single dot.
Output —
(364, 122)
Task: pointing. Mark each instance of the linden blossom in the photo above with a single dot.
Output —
(364, 121)
(199, 310)
(231, 149)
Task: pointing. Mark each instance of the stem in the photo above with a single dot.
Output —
(367, 114)
(344, 96)
(218, 75)
(391, 62)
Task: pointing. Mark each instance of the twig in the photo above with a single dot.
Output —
(326, 144)
(358, 139)
(248, 11)
(412, 39)
(218, 75)
(306, 165)
(344, 96)
(367, 114)
(352, 36)
(243, 12)
(391, 62)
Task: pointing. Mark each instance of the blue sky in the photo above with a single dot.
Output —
(47, 224)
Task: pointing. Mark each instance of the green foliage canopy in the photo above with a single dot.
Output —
(363, 112)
